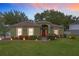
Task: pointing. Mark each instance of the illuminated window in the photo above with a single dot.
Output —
(30, 31)
(56, 32)
(19, 31)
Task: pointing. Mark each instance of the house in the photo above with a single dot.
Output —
(38, 28)
(74, 29)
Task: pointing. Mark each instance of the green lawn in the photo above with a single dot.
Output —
(39, 48)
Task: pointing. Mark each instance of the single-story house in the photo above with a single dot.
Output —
(38, 28)
(74, 29)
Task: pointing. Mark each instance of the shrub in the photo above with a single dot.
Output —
(65, 36)
(26, 37)
(17, 37)
(51, 37)
(6, 39)
(21, 37)
(33, 37)
(13, 37)
(72, 36)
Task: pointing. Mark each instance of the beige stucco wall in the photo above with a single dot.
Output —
(13, 31)
(37, 31)
(25, 31)
(60, 30)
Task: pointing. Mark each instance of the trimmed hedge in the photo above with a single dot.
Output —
(26, 37)
(51, 37)
(72, 37)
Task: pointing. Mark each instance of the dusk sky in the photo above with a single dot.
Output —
(31, 9)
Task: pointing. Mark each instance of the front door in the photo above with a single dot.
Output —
(44, 30)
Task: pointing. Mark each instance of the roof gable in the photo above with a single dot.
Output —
(43, 22)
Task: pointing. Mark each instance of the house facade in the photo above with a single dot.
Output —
(74, 29)
(39, 28)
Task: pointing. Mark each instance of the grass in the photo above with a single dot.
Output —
(40, 48)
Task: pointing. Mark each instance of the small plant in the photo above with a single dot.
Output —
(33, 37)
(72, 36)
(51, 37)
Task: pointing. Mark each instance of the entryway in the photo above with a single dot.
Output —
(44, 30)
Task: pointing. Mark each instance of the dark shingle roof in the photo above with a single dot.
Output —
(33, 24)
(25, 24)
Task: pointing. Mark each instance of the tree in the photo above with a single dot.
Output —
(3, 27)
(12, 17)
(9, 18)
(38, 16)
(55, 17)
(77, 20)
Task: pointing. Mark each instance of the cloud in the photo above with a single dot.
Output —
(73, 6)
(70, 6)
(45, 6)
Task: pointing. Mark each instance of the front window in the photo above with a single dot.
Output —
(30, 31)
(56, 32)
(19, 31)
